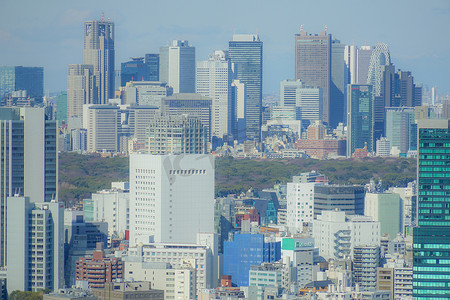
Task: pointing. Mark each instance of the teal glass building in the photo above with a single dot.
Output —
(431, 239)
(359, 117)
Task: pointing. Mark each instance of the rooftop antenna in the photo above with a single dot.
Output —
(326, 29)
(301, 28)
(103, 16)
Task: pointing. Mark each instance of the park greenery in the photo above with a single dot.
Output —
(81, 175)
(21, 295)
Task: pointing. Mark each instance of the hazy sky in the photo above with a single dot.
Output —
(49, 33)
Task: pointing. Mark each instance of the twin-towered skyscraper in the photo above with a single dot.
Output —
(93, 81)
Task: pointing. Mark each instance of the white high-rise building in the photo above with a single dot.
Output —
(300, 205)
(357, 61)
(171, 197)
(309, 102)
(113, 207)
(35, 245)
(383, 147)
(201, 257)
(214, 77)
(336, 234)
(288, 92)
(177, 66)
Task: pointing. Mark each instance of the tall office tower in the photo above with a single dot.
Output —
(214, 77)
(434, 95)
(363, 63)
(152, 62)
(192, 105)
(134, 70)
(99, 52)
(350, 58)
(30, 79)
(359, 117)
(431, 239)
(313, 65)
(418, 95)
(339, 81)
(102, 128)
(358, 60)
(246, 53)
(147, 92)
(288, 92)
(380, 57)
(398, 88)
(81, 89)
(177, 66)
(401, 129)
(171, 197)
(29, 160)
(35, 245)
(239, 98)
(61, 107)
(176, 135)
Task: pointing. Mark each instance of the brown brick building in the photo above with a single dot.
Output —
(321, 149)
(98, 270)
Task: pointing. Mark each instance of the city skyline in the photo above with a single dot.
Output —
(26, 34)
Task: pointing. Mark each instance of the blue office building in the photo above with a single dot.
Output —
(140, 69)
(152, 62)
(247, 250)
(18, 78)
(134, 70)
(246, 53)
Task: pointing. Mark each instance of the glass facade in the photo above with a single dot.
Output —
(246, 54)
(152, 62)
(360, 117)
(30, 79)
(431, 248)
(245, 251)
(135, 70)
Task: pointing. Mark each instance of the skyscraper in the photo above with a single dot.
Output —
(99, 52)
(152, 62)
(171, 197)
(246, 53)
(29, 162)
(81, 89)
(30, 79)
(339, 81)
(359, 117)
(431, 240)
(214, 77)
(401, 129)
(380, 57)
(177, 66)
(357, 60)
(313, 65)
